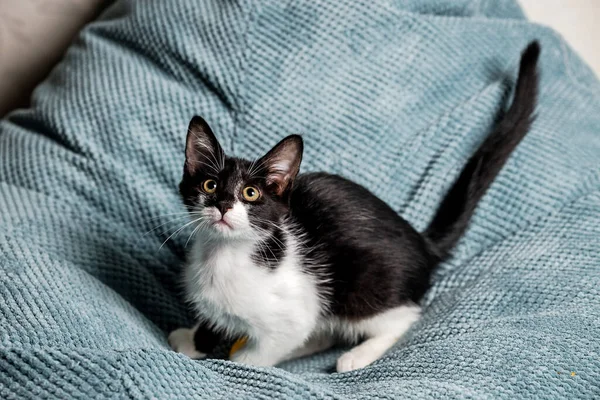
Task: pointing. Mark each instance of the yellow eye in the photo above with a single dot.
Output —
(209, 186)
(251, 193)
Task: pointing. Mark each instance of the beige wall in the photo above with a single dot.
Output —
(33, 37)
(578, 21)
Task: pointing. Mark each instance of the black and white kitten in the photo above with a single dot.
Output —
(298, 262)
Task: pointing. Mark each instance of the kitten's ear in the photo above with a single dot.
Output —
(282, 163)
(202, 150)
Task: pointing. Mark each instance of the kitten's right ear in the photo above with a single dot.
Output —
(202, 150)
(282, 163)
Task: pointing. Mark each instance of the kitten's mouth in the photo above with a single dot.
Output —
(222, 224)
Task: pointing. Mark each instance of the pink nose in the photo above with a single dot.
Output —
(223, 208)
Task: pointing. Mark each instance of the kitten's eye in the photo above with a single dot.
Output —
(251, 193)
(209, 186)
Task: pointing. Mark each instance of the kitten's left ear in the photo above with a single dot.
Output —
(282, 163)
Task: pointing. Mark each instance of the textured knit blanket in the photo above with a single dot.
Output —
(392, 94)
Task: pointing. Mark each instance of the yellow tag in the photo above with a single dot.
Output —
(241, 342)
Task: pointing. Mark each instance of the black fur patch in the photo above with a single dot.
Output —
(271, 251)
(205, 339)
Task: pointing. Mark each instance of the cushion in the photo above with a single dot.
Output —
(394, 95)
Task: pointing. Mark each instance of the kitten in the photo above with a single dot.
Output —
(298, 262)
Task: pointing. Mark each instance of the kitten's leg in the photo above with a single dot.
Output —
(382, 332)
(195, 343)
(315, 344)
(365, 353)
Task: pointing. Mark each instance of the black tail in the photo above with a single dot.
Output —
(454, 214)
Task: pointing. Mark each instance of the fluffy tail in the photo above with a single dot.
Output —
(454, 214)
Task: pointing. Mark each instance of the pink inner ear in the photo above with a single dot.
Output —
(279, 175)
(279, 180)
(282, 163)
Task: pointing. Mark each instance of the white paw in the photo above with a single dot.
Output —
(241, 356)
(254, 358)
(353, 359)
(247, 357)
(182, 341)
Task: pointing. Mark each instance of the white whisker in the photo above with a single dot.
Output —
(200, 225)
(179, 230)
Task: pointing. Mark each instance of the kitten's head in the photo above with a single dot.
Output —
(232, 197)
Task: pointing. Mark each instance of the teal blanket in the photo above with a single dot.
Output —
(392, 94)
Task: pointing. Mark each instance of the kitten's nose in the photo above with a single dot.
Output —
(223, 207)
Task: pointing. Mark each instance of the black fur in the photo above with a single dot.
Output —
(455, 212)
(205, 339)
(370, 258)
(375, 260)
(272, 250)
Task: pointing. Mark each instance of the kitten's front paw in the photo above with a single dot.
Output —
(353, 359)
(252, 357)
(243, 356)
(182, 341)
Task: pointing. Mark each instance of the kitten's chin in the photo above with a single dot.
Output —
(222, 226)
(225, 230)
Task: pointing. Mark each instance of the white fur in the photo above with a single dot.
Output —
(237, 218)
(382, 332)
(182, 341)
(279, 309)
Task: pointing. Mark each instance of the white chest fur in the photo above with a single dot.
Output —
(229, 290)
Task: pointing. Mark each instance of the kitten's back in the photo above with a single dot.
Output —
(374, 259)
